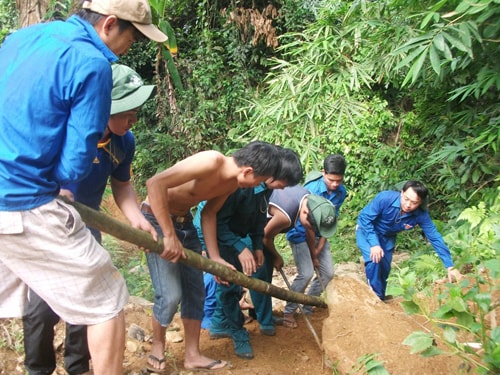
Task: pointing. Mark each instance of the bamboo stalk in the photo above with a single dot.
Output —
(118, 229)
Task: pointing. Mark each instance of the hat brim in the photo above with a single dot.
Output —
(327, 233)
(317, 201)
(151, 31)
(132, 101)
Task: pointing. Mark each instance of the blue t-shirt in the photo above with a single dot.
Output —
(55, 99)
(381, 220)
(318, 187)
(114, 158)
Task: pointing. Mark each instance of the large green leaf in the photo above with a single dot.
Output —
(419, 341)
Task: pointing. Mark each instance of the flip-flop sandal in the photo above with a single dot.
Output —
(210, 367)
(289, 323)
(151, 368)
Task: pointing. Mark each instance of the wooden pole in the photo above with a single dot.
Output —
(118, 229)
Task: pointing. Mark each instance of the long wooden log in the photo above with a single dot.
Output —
(125, 232)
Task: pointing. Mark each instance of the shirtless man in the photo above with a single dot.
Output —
(210, 176)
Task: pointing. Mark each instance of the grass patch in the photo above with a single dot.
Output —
(132, 264)
(11, 335)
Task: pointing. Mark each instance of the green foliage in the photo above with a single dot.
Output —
(448, 41)
(11, 335)
(296, 15)
(402, 91)
(423, 343)
(476, 236)
(58, 10)
(367, 364)
(133, 267)
(141, 57)
(156, 151)
(217, 70)
(8, 18)
(460, 322)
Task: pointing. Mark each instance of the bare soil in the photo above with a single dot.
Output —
(355, 323)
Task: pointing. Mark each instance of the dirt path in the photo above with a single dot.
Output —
(355, 324)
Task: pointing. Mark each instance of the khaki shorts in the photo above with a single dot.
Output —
(50, 250)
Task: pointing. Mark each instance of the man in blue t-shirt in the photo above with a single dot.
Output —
(314, 254)
(55, 99)
(113, 161)
(389, 213)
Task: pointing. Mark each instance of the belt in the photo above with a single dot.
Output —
(146, 208)
(188, 218)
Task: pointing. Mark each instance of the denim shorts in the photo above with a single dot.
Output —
(176, 283)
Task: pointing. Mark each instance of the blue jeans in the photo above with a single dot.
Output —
(176, 283)
(210, 301)
(305, 272)
(376, 273)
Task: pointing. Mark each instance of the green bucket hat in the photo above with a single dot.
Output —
(324, 214)
(129, 92)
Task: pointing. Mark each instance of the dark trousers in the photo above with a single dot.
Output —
(378, 273)
(227, 314)
(38, 324)
(263, 302)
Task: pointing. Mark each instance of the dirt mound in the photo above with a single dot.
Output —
(359, 324)
(356, 323)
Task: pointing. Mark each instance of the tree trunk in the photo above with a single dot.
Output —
(144, 240)
(31, 11)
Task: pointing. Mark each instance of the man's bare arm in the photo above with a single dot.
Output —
(209, 228)
(274, 226)
(311, 244)
(126, 199)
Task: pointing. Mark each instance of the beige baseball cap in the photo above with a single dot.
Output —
(137, 12)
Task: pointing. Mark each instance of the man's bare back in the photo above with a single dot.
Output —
(220, 179)
(207, 175)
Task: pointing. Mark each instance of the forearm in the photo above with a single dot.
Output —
(158, 200)
(270, 247)
(319, 246)
(209, 229)
(126, 200)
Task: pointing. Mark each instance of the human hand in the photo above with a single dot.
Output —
(247, 261)
(221, 261)
(454, 275)
(376, 254)
(315, 261)
(259, 258)
(172, 249)
(67, 194)
(278, 262)
(144, 225)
